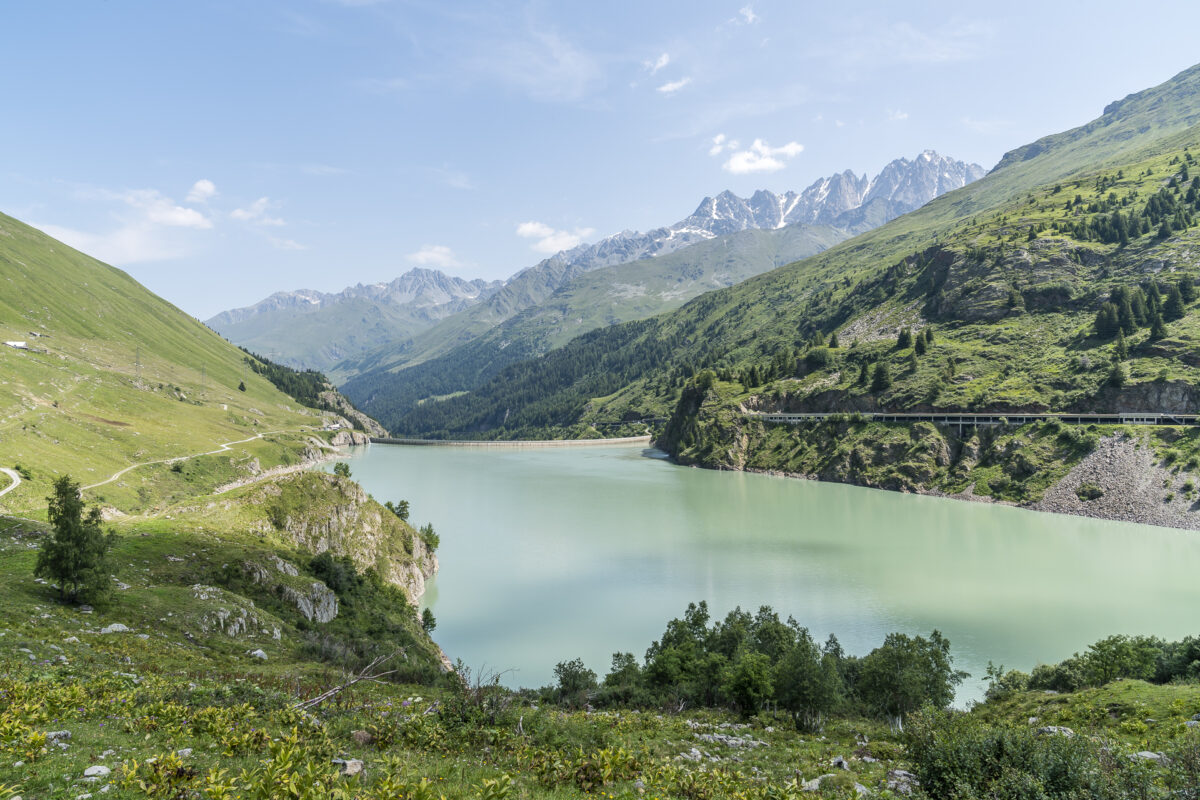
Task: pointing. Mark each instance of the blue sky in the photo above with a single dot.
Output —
(220, 151)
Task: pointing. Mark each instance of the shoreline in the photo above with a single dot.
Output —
(1131, 497)
(514, 442)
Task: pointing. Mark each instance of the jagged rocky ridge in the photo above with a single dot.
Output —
(842, 200)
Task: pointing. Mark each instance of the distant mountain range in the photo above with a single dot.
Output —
(307, 328)
(425, 314)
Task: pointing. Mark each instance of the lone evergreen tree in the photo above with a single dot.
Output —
(341, 469)
(833, 340)
(1122, 349)
(1173, 307)
(881, 378)
(241, 386)
(904, 339)
(919, 345)
(76, 555)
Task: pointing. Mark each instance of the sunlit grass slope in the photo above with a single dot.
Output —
(113, 375)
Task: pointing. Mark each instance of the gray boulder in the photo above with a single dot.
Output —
(902, 781)
(1056, 730)
(349, 766)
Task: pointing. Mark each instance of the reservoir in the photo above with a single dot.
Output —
(548, 554)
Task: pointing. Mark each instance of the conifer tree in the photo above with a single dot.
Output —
(881, 379)
(1187, 290)
(75, 555)
(1118, 376)
(1107, 321)
(1173, 307)
(1157, 329)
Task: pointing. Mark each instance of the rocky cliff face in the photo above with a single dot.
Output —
(323, 513)
(335, 400)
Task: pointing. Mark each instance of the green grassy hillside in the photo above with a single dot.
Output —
(116, 376)
(226, 550)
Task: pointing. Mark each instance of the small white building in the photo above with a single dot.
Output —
(18, 345)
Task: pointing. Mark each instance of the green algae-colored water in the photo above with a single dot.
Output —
(548, 554)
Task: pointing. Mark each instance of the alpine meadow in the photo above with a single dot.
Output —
(874, 474)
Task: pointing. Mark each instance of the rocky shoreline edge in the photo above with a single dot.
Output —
(1135, 488)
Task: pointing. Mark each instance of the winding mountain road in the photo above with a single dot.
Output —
(16, 480)
(222, 449)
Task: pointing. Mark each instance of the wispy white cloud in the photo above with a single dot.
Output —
(435, 255)
(674, 86)
(133, 243)
(202, 191)
(454, 178)
(285, 244)
(897, 115)
(758, 157)
(953, 42)
(550, 240)
(158, 209)
(150, 227)
(322, 170)
(256, 214)
(748, 16)
(904, 43)
(721, 143)
(543, 64)
(657, 64)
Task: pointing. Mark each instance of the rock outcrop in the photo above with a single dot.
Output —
(325, 513)
(336, 401)
(318, 603)
(346, 438)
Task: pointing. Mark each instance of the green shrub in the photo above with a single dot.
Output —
(957, 756)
